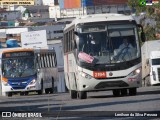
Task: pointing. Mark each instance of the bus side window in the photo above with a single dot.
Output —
(42, 61)
(39, 61)
(50, 59)
(48, 62)
(55, 60)
(45, 61)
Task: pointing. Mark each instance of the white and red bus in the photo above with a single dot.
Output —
(89, 66)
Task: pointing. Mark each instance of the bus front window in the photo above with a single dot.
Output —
(119, 43)
(20, 67)
(124, 43)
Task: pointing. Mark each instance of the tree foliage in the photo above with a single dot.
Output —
(28, 12)
(152, 13)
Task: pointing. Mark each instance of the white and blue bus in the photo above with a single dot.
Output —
(94, 60)
(24, 70)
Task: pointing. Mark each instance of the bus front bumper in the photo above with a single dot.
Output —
(33, 87)
(94, 84)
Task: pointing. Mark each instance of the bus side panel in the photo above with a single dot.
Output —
(0, 86)
(40, 75)
(72, 70)
(67, 81)
(70, 64)
(66, 71)
(54, 75)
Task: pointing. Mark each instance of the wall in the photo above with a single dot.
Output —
(54, 12)
(48, 2)
(10, 15)
(86, 3)
(109, 2)
(61, 3)
(72, 4)
(53, 32)
(122, 8)
(38, 2)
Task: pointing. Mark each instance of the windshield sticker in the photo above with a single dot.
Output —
(86, 57)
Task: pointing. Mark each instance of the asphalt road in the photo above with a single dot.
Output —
(98, 105)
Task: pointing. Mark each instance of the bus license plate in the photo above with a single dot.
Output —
(97, 74)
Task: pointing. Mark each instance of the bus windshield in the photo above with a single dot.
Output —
(109, 44)
(18, 67)
(156, 61)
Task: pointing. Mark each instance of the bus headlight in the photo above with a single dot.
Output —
(85, 75)
(32, 82)
(5, 81)
(135, 72)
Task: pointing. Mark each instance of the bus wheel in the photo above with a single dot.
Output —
(124, 92)
(82, 95)
(52, 89)
(116, 93)
(148, 83)
(22, 93)
(47, 91)
(39, 92)
(132, 91)
(26, 93)
(9, 94)
(73, 94)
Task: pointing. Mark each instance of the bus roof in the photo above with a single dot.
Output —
(99, 18)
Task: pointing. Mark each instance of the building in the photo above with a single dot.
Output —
(70, 8)
(10, 15)
(46, 2)
(54, 32)
(38, 11)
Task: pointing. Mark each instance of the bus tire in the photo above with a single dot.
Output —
(116, 92)
(148, 83)
(82, 95)
(123, 92)
(52, 89)
(132, 91)
(22, 93)
(73, 94)
(39, 92)
(26, 93)
(9, 94)
(47, 91)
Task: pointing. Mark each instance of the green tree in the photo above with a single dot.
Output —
(27, 11)
(152, 13)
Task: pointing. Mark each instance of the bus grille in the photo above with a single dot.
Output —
(119, 83)
(18, 87)
(158, 70)
(18, 84)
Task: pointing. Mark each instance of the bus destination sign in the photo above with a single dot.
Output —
(93, 28)
(17, 54)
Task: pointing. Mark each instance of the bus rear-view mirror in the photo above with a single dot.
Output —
(143, 37)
